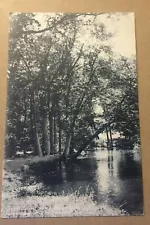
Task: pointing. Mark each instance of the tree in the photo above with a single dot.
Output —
(120, 101)
(55, 79)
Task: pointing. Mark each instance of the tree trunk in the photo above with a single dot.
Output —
(34, 133)
(37, 143)
(60, 135)
(46, 139)
(111, 139)
(101, 129)
(107, 134)
(10, 148)
(67, 145)
(51, 131)
(55, 136)
(25, 112)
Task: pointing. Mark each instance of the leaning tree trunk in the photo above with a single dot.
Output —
(100, 130)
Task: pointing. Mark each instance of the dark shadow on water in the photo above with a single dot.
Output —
(82, 177)
(129, 168)
(58, 177)
(130, 173)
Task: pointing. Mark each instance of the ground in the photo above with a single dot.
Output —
(24, 201)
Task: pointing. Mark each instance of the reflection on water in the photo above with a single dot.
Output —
(120, 179)
(114, 177)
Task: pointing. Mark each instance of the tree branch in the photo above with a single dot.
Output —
(55, 24)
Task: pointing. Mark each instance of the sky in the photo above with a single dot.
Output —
(123, 28)
(123, 41)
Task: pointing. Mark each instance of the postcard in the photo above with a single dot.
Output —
(72, 143)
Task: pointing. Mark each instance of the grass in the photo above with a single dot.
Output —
(20, 201)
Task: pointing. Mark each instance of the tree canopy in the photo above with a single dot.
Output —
(59, 69)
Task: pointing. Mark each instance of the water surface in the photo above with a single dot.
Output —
(113, 177)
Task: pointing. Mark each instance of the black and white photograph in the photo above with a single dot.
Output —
(72, 137)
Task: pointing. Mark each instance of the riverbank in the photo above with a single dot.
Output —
(18, 163)
(19, 201)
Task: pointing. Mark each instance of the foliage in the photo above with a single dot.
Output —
(55, 79)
